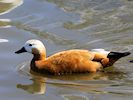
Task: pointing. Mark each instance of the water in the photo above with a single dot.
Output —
(65, 24)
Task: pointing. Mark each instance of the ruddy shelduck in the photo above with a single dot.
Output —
(69, 61)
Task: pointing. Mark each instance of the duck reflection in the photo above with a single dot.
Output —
(76, 81)
(37, 87)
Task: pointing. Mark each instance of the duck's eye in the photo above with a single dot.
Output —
(30, 44)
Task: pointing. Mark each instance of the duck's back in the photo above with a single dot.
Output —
(72, 54)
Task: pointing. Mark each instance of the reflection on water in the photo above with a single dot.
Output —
(8, 5)
(5, 7)
(4, 40)
(37, 87)
(107, 20)
(98, 13)
(4, 23)
(75, 97)
(39, 83)
(45, 35)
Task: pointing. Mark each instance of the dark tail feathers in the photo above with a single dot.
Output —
(118, 55)
(114, 56)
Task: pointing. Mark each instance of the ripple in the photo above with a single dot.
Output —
(9, 5)
(75, 97)
(46, 35)
(4, 40)
(24, 69)
(5, 23)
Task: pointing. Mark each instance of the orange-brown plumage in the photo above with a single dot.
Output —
(69, 61)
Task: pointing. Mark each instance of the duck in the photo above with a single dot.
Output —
(69, 61)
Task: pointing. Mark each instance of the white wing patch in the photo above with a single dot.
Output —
(101, 51)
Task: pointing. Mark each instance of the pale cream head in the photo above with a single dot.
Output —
(35, 47)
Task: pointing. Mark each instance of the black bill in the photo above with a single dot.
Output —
(21, 50)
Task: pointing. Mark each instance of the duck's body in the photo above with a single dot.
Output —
(69, 61)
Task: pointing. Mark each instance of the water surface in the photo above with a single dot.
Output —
(61, 25)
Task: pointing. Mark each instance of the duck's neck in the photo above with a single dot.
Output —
(36, 58)
(39, 57)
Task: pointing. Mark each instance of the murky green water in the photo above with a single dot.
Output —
(65, 24)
